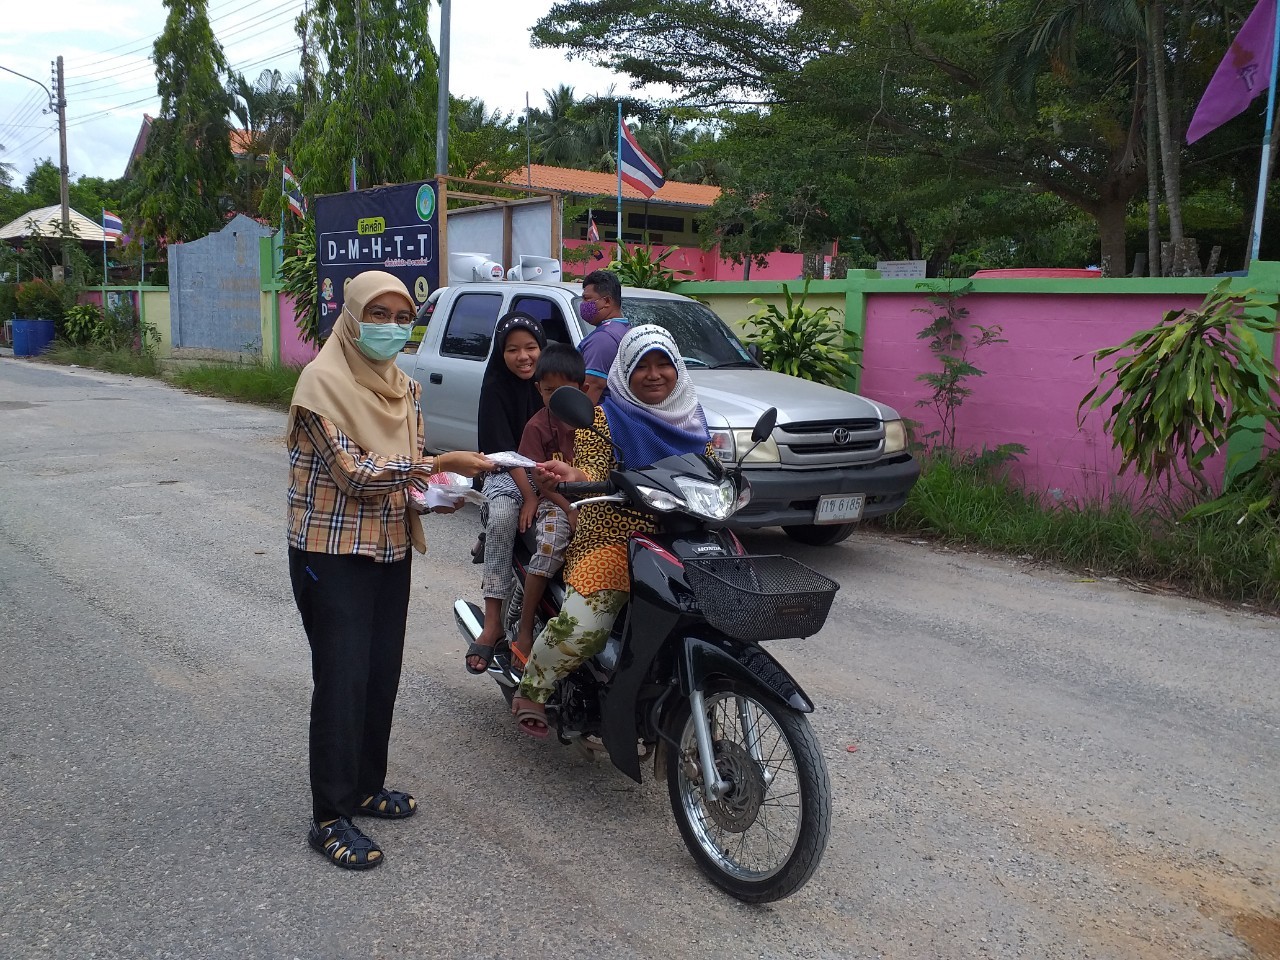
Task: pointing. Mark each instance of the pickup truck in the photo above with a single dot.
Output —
(834, 458)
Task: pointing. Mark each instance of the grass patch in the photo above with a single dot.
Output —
(267, 383)
(1213, 557)
(121, 360)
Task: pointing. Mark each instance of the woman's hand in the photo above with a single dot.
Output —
(554, 472)
(466, 462)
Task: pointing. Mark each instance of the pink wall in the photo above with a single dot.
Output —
(704, 264)
(293, 349)
(1032, 385)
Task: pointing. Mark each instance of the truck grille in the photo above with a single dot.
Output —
(830, 441)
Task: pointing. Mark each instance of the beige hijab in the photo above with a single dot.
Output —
(368, 400)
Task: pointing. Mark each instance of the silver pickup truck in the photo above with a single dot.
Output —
(834, 458)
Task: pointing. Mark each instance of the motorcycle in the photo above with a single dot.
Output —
(683, 677)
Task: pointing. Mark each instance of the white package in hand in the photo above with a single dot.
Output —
(509, 459)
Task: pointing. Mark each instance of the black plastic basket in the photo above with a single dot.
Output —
(761, 598)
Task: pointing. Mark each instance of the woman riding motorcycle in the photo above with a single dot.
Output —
(651, 412)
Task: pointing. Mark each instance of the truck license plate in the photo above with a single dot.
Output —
(842, 508)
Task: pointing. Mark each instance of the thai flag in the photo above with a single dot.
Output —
(637, 169)
(593, 235)
(293, 192)
(112, 226)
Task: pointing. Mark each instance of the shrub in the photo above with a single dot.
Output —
(42, 300)
(802, 341)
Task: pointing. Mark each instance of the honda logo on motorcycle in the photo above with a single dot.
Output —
(840, 435)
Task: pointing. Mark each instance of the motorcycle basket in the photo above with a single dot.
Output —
(760, 598)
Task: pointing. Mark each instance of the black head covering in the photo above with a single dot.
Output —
(506, 402)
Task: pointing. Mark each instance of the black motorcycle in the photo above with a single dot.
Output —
(683, 677)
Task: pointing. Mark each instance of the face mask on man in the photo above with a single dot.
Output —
(382, 341)
(589, 311)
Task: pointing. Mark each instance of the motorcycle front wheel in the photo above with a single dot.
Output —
(763, 839)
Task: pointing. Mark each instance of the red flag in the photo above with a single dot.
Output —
(1243, 74)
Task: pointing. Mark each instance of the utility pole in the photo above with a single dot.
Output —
(442, 103)
(63, 171)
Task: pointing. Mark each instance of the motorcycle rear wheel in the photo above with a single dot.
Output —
(764, 839)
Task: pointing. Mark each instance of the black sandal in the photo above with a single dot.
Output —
(485, 652)
(344, 844)
(389, 805)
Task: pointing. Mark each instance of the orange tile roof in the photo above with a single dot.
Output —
(241, 140)
(588, 183)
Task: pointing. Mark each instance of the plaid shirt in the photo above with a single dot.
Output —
(343, 500)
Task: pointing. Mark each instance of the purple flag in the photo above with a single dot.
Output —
(1243, 73)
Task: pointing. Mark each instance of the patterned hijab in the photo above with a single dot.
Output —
(646, 433)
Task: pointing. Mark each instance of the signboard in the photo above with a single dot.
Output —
(901, 269)
(394, 228)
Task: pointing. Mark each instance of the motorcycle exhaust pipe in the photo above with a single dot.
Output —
(469, 619)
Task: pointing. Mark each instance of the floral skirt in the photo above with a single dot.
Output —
(577, 632)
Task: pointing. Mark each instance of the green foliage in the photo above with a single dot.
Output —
(269, 111)
(1251, 498)
(376, 96)
(302, 279)
(1208, 556)
(1184, 387)
(950, 345)
(638, 267)
(138, 363)
(8, 301)
(186, 171)
(806, 342)
(43, 300)
(81, 323)
(266, 383)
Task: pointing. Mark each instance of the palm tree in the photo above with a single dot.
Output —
(557, 131)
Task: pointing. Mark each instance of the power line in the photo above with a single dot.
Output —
(140, 44)
(86, 73)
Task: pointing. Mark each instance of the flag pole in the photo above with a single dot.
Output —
(619, 164)
(1255, 236)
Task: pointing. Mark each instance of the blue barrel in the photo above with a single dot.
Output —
(30, 337)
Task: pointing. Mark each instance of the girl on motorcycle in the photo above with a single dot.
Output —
(651, 412)
(508, 399)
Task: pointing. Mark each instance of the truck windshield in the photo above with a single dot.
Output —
(703, 338)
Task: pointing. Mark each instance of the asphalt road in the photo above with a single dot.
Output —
(1042, 767)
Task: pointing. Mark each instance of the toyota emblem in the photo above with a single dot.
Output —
(840, 435)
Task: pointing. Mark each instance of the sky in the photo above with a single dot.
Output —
(111, 82)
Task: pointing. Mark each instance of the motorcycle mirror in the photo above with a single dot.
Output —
(573, 407)
(764, 426)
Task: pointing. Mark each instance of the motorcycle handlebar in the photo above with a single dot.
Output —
(585, 489)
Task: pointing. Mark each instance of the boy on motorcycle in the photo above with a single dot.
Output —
(651, 412)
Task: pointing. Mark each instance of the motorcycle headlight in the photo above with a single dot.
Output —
(895, 436)
(660, 500)
(766, 452)
(715, 501)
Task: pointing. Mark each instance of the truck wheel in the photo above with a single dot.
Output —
(819, 536)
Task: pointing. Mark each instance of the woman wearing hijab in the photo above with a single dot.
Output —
(650, 411)
(355, 437)
(508, 400)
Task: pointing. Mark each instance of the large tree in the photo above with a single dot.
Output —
(181, 183)
(924, 79)
(374, 70)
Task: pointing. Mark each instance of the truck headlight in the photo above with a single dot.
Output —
(895, 436)
(722, 443)
(766, 452)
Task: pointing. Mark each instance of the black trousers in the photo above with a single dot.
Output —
(354, 612)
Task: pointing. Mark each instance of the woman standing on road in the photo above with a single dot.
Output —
(355, 437)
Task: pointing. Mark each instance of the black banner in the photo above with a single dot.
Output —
(395, 229)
